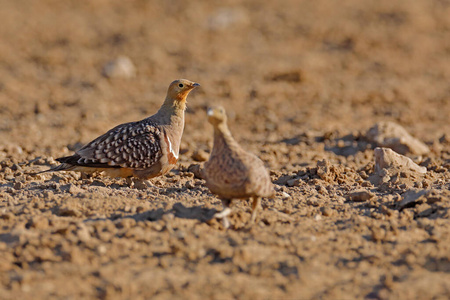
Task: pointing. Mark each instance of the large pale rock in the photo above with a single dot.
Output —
(394, 136)
(391, 167)
(386, 158)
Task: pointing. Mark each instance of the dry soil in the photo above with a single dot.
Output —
(302, 82)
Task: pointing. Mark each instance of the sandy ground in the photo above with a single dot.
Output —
(302, 82)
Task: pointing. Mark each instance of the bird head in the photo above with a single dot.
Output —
(179, 89)
(216, 115)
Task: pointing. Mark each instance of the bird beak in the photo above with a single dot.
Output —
(210, 112)
(195, 85)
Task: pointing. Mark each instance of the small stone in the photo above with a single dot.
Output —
(122, 67)
(101, 249)
(378, 234)
(197, 170)
(18, 185)
(327, 211)
(189, 184)
(200, 155)
(83, 233)
(413, 197)
(285, 195)
(293, 182)
(360, 195)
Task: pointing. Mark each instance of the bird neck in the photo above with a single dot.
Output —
(172, 112)
(222, 136)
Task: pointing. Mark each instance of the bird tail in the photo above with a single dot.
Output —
(61, 167)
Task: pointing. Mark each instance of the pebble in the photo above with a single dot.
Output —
(200, 155)
(101, 249)
(285, 195)
(327, 211)
(360, 195)
(121, 67)
(83, 232)
(197, 170)
(189, 184)
(413, 197)
(18, 185)
(293, 182)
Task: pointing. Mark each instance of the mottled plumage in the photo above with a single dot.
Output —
(231, 172)
(142, 149)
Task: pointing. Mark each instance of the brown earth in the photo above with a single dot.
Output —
(302, 81)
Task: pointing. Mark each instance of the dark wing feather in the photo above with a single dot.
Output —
(131, 145)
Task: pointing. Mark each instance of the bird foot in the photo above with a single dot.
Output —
(223, 215)
(225, 223)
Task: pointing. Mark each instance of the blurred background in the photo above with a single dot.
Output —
(72, 69)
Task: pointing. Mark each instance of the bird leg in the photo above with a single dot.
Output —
(224, 213)
(256, 206)
(130, 182)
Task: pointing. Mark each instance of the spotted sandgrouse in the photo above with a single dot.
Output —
(231, 172)
(142, 149)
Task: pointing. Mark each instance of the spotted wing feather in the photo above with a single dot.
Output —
(134, 145)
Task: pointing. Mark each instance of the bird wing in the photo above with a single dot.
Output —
(134, 145)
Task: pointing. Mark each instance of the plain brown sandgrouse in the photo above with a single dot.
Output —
(233, 173)
(142, 149)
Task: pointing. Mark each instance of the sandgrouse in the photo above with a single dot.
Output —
(142, 149)
(231, 172)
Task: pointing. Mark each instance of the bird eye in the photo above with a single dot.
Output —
(180, 85)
